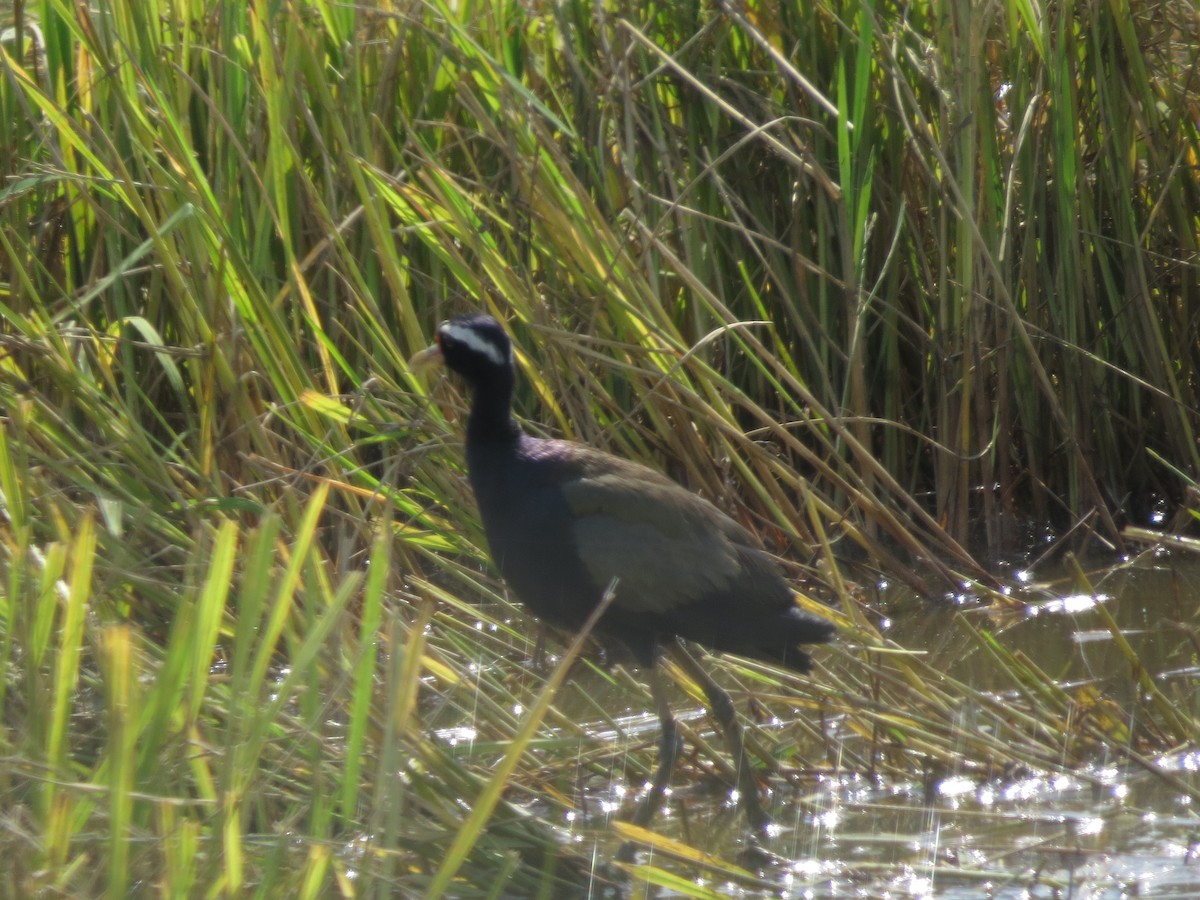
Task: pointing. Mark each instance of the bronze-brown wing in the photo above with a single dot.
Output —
(668, 546)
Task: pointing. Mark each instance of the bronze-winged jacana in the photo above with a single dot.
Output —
(564, 520)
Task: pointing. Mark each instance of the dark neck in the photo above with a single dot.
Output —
(491, 418)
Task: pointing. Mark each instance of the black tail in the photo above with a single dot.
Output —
(779, 641)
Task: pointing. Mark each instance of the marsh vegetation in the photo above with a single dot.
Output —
(909, 290)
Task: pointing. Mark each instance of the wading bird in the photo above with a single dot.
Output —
(565, 521)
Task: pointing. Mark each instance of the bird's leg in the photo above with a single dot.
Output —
(668, 753)
(722, 710)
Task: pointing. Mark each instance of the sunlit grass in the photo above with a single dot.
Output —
(900, 289)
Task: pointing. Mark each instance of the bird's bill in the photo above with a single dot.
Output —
(429, 358)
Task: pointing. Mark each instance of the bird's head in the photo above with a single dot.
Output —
(474, 346)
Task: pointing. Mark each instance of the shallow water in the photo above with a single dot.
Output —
(1099, 826)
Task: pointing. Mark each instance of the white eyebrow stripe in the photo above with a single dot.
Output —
(478, 343)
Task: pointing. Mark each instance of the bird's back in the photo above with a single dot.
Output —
(563, 520)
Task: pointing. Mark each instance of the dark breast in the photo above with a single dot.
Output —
(528, 523)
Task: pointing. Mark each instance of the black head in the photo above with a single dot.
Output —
(477, 348)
